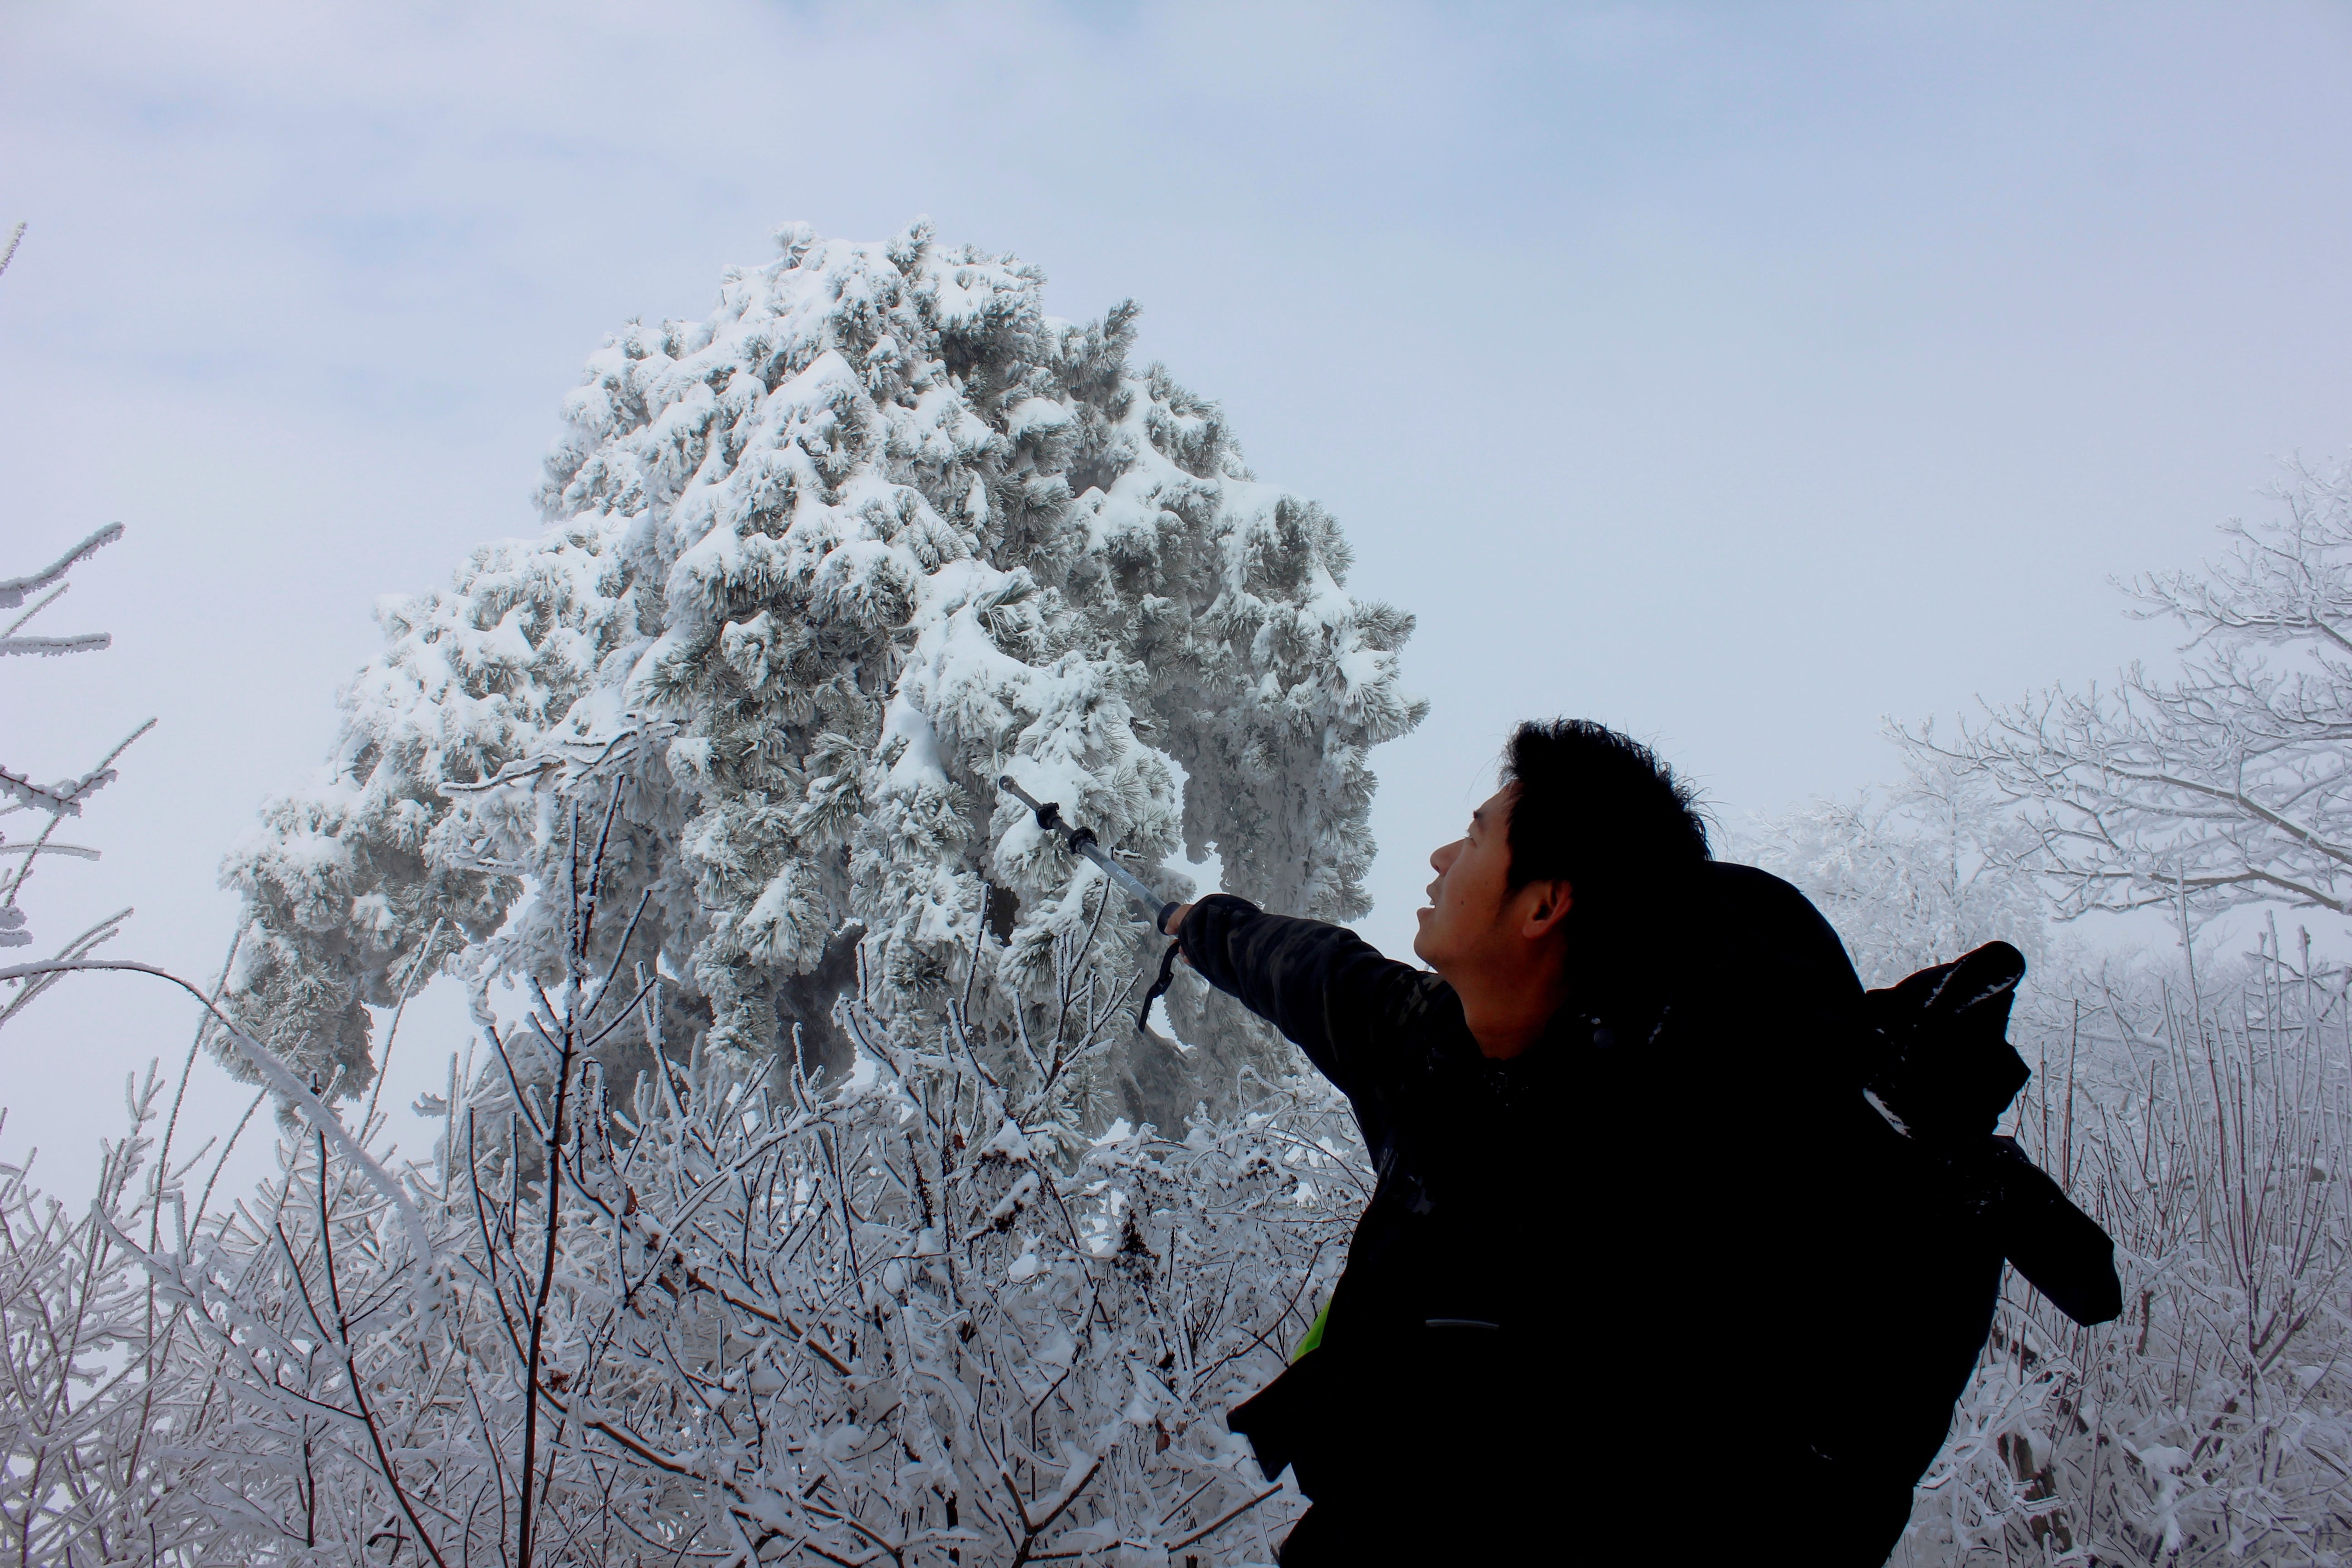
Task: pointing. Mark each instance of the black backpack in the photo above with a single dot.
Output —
(1944, 1073)
(1940, 1200)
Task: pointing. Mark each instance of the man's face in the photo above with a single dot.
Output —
(1466, 916)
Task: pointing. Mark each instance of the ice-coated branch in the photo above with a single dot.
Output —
(353, 1378)
(57, 968)
(888, 1315)
(66, 799)
(76, 851)
(84, 642)
(18, 792)
(13, 590)
(281, 1078)
(2228, 782)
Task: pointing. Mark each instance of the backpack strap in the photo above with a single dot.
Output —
(1167, 978)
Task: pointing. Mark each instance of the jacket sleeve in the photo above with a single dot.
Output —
(1354, 1013)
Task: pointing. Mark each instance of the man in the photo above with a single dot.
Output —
(1605, 1128)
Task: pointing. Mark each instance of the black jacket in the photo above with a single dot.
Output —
(1582, 1317)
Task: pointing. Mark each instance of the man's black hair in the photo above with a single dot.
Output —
(1599, 811)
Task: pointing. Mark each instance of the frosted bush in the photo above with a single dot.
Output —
(2204, 1119)
(2207, 1127)
(79, 1341)
(917, 1317)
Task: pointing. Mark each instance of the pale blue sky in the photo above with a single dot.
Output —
(1737, 374)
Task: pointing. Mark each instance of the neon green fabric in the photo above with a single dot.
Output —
(1314, 1332)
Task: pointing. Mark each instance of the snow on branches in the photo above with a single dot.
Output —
(1910, 875)
(823, 565)
(19, 792)
(2222, 786)
(916, 1318)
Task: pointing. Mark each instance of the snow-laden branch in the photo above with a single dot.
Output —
(2226, 783)
(886, 1318)
(67, 798)
(281, 1078)
(13, 590)
(84, 642)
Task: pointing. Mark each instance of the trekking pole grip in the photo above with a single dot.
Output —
(1049, 815)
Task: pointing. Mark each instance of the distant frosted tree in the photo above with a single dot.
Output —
(817, 569)
(1911, 875)
(2228, 784)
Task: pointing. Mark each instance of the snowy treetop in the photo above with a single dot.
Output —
(817, 568)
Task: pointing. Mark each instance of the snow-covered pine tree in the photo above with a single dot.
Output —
(817, 569)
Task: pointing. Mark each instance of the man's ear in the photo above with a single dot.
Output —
(1551, 902)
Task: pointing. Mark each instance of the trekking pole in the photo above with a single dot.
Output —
(1082, 840)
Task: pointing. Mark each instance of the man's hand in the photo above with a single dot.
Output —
(1176, 923)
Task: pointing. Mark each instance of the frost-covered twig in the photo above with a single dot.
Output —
(2221, 782)
(885, 1317)
(18, 792)
(279, 1078)
(40, 977)
(13, 590)
(2213, 1423)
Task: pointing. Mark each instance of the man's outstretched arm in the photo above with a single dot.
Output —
(1330, 992)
